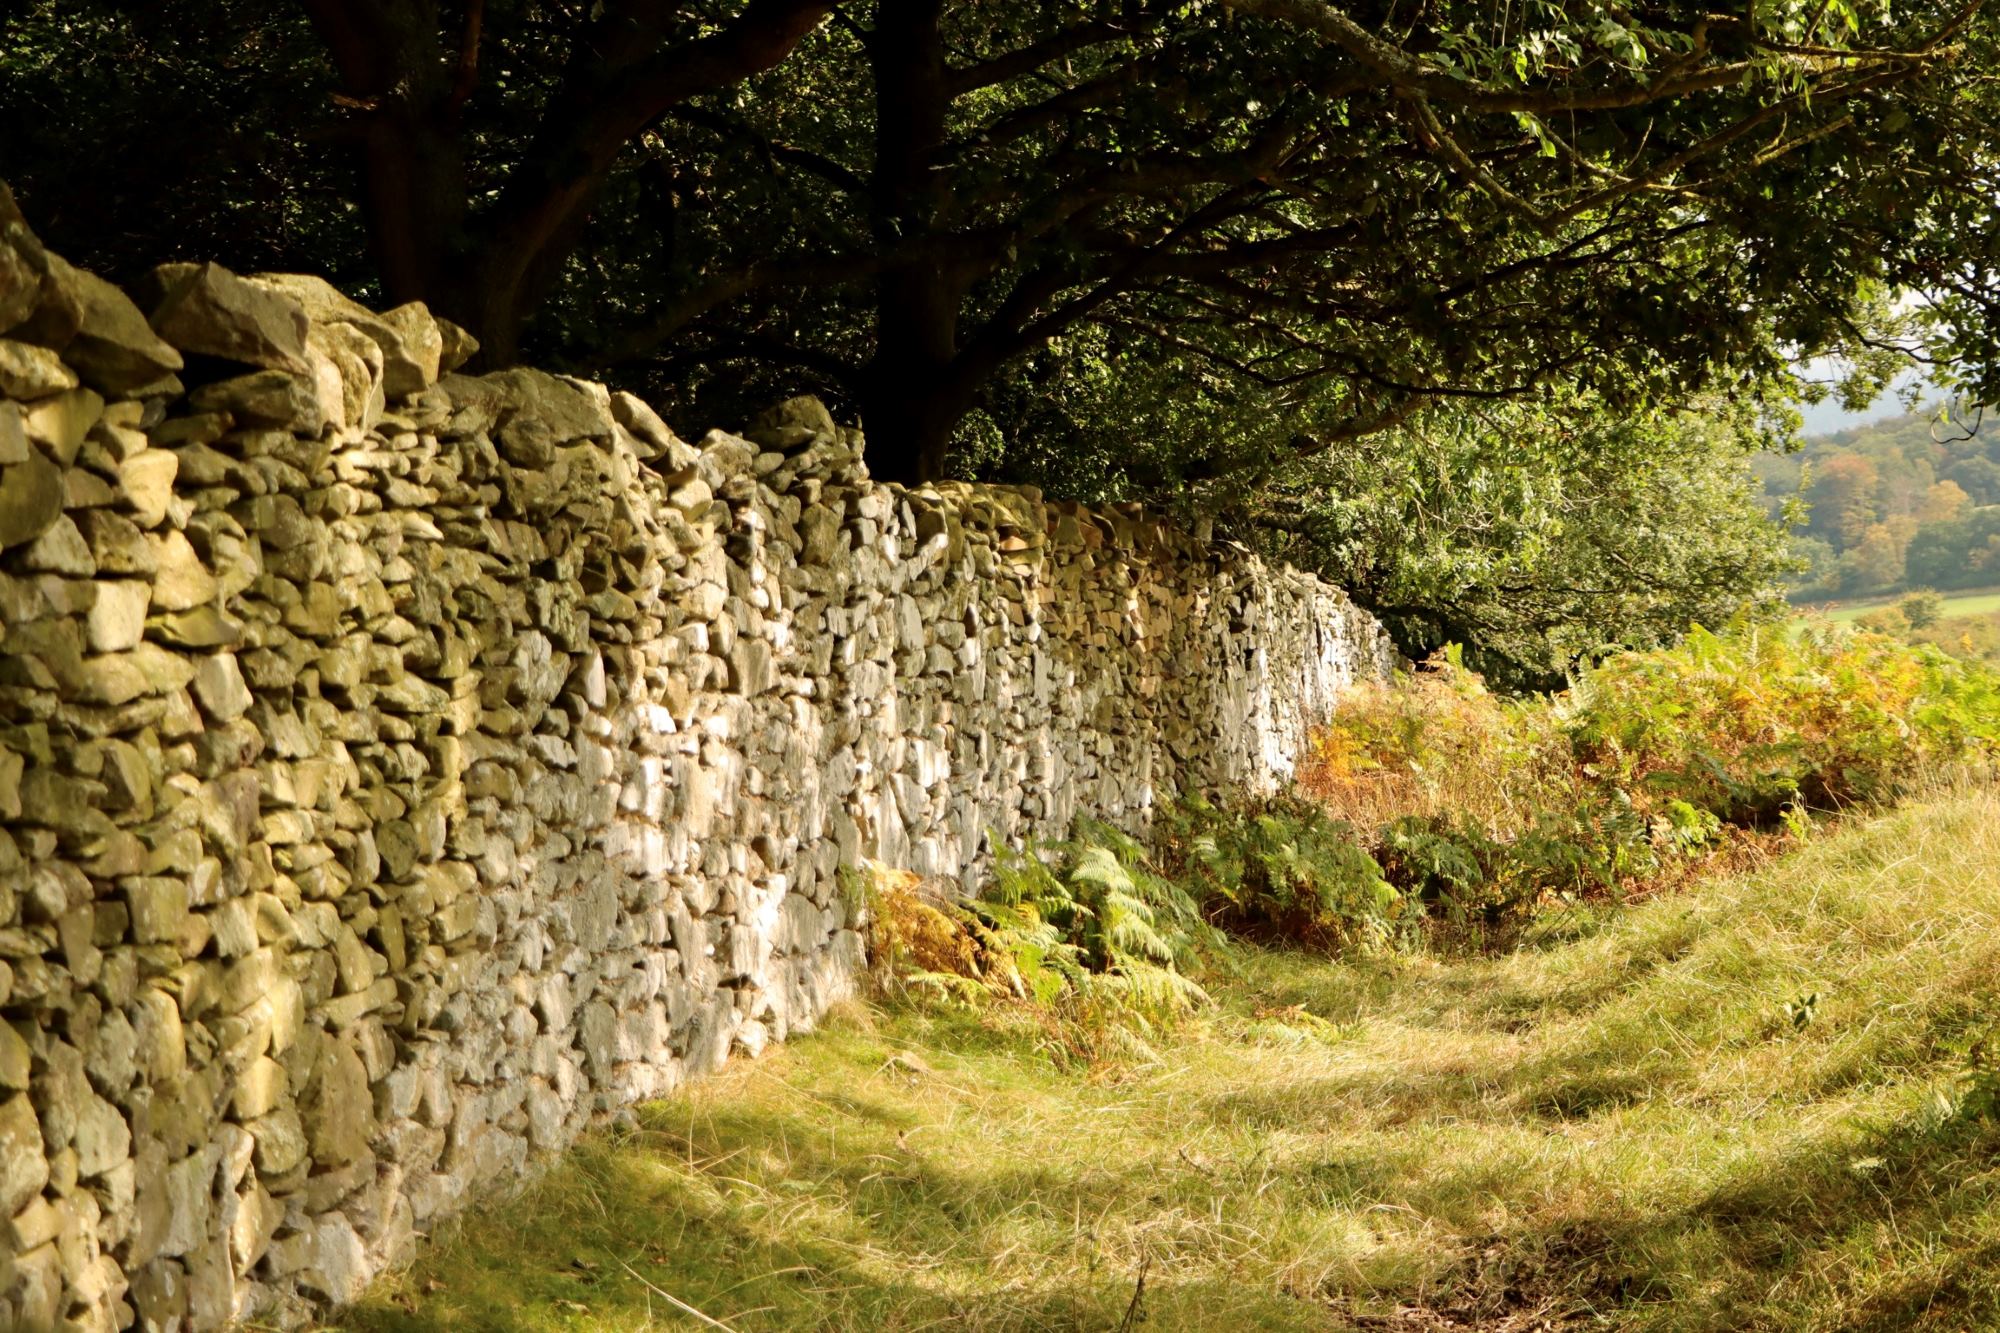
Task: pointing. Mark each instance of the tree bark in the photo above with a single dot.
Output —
(909, 396)
(909, 428)
(393, 72)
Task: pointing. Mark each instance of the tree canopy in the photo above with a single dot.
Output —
(899, 203)
(1311, 230)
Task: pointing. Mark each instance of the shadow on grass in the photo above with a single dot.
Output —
(769, 1219)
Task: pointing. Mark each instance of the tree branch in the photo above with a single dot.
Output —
(1028, 59)
(605, 102)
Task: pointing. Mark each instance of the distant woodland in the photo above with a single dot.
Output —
(1909, 502)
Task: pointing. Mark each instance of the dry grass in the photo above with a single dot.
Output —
(1437, 743)
(1626, 1129)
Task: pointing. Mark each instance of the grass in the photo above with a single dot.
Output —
(1955, 604)
(1727, 1108)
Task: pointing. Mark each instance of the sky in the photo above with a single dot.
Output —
(1824, 418)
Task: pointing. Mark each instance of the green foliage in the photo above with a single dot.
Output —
(1922, 609)
(1478, 810)
(1745, 723)
(1092, 918)
(1286, 867)
(942, 215)
(1541, 535)
(1961, 553)
(1085, 937)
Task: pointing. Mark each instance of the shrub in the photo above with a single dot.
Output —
(1284, 867)
(1475, 809)
(1922, 608)
(1744, 724)
(1091, 915)
(1434, 804)
(1083, 934)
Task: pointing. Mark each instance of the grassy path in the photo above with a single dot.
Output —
(1731, 1108)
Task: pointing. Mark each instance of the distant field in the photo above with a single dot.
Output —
(1973, 603)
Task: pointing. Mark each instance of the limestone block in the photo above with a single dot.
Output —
(459, 345)
(410, 360)
(146, 485)
(13, 1059)
(278, 398)
(219, 688)
(183, 582)
(257, 1089)
(102, 1140)
(28, 371)
(159, 908)
(339, 1118)
(24, 1168)
(117, 619)
(209, 310)
(20, 276)
(60, 423)
(31, 499)
(281, 1142)
(61, 549)
(98, 330)
(14, 446)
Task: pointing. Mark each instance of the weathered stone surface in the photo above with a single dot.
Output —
(410, 361)
(23, 1167)
(31, 498)
(341, 1114)
(102, 1140)
(211, 311)
(654, 434)
(59, 423)
(13, 1060)
(258, 1089)
(159, 908)
(268, 398)
(183, 582)
(218, 685)
(411, 342)
(116, 544)
(118, 618)
(399, 772)
(61, 549)
(20, 279)
(459, 345)
(559, 407)
(146, 484)
(111, 346)
(281, 1142)
(14, 446)
(28, 371)
(792, 424)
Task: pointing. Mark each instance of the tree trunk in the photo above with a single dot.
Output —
(911, 400)
(491, 272)
(909, 424)
(393, 72)
(415, 189)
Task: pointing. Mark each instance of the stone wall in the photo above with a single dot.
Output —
(399, 769)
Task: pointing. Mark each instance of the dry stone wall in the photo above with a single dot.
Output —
(399, 769)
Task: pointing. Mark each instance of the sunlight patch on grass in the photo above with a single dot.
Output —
(1718, 1109)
